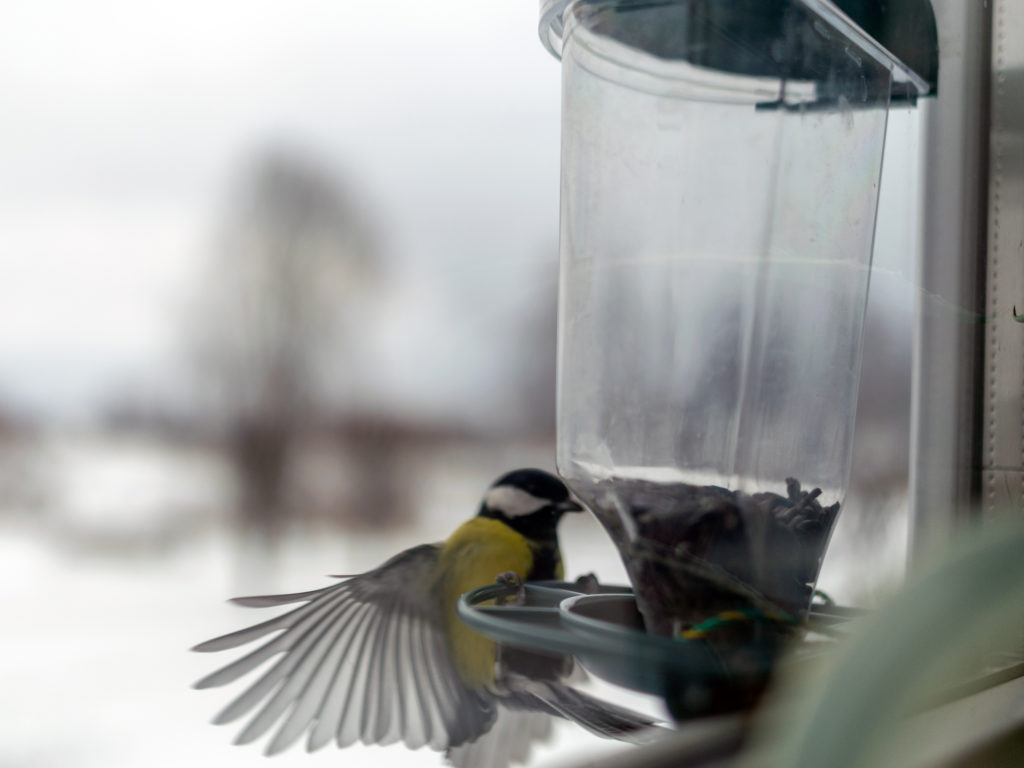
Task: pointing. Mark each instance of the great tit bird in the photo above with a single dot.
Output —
(382, 657)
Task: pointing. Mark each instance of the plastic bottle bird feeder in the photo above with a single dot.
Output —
(720, 172)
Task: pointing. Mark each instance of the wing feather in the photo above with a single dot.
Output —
(295, 621)
(444, 705)
(415, 717)
(247, 635)
(362, 660)
(302, 661)
(379, 710)
(347, 730)
(293, 643)
(317, 680)
(423, 687)
(332, 706)
(266, 601)
(371, 692)
(393, 683)
(252, 695)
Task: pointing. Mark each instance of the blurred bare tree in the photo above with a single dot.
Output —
(269, 333)
(25, 486)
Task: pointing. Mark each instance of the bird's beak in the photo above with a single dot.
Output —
(569, 505)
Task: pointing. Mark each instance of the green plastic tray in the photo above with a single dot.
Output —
(604, 632)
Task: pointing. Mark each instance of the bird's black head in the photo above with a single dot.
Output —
(530, 501)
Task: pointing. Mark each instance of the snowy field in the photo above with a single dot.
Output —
(95, 664)
(96, 667)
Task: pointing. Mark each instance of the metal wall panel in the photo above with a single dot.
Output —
(946, 388)
(1002, 459)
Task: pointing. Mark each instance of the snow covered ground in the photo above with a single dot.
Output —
(94, 658)
(97, 623)
(95, 663)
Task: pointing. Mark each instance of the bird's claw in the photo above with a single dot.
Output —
(511, 581)
(588, 584)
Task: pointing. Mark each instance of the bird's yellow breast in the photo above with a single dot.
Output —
(478, 551)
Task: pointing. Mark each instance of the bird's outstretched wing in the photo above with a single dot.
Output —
(364, 660)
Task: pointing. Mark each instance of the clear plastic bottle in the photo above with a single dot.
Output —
(720, 168)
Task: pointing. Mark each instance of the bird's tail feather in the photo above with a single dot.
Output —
(599, 717)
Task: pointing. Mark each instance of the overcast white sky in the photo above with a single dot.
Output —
(125, 124)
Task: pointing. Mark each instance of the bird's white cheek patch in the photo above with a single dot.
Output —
(514, 502)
